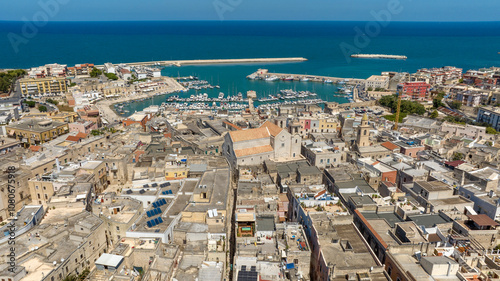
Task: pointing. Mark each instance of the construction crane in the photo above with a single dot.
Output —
(398, 110)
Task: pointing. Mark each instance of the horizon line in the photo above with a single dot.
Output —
(255, 20)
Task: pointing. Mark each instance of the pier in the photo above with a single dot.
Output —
(212, 61)
(378, 56)
(263, 74)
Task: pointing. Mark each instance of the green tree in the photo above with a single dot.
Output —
(434, 114)
(111, 76)
(70, 277)
(491, 130)
(95, 132)
(95, 72)
(369, 89)
(8, 78)
(437, 103)
(52, 101)
(457, 156)
(456, 105)
(42, 108)
(30, 103)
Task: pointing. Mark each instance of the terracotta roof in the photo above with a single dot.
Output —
(264, 131)
(389, 145)
(232, 125)
(81, 135)
(35, 148)
(274, 129)
(253, 150)
(250, 134)
(72, 138)
(483, 220)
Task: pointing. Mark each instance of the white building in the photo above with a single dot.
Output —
(109, 68)
(377, 81)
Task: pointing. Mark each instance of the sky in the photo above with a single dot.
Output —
(332, 10)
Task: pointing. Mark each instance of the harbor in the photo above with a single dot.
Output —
(264, 74)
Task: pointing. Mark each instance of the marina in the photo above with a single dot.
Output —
(264, 74)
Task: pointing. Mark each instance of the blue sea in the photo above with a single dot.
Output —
(426, 44)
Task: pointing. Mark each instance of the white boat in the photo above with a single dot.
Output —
(305, 79)
(328, 81)
(221, 95)
(272, 78)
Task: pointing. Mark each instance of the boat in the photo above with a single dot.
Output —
(289, 78)
(221, 95)
(272, 78)
(328, 81)
(305, 79)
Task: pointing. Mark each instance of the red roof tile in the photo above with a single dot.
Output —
(389, 145)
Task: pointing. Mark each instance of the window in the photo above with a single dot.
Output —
(118, 228)
(364, 133)
(39, 197)
(389, 270)
(36, 186)
(282, 144)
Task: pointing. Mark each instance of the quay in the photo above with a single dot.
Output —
(378, 56)
(264, 74)
(213, 61)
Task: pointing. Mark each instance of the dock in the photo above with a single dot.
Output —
(378, 56)
(263, 74)
(212, 61)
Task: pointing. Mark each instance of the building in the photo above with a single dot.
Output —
(322, 155)
(80, 69)
(363, 136)
(377, 82)
(490, 115)
(85, 127)
(109, 68)
(414, 90)
(36, 131)
(442, 76)
(137, 118)
(254, 146)
(43, 86)
(48, 70)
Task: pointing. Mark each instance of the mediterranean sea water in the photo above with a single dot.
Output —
(426, 44)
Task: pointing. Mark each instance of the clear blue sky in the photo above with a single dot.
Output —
(336, 10)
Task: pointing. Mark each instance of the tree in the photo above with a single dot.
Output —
(8, 78)
(70, 277)
(42, 108)
(30, 103)
(434, 114)
(370, 89)
(54, 102)
(456, 105)
(95, 72)
(491, 131)
(111, 76)
(457, 156)
(437, 103)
